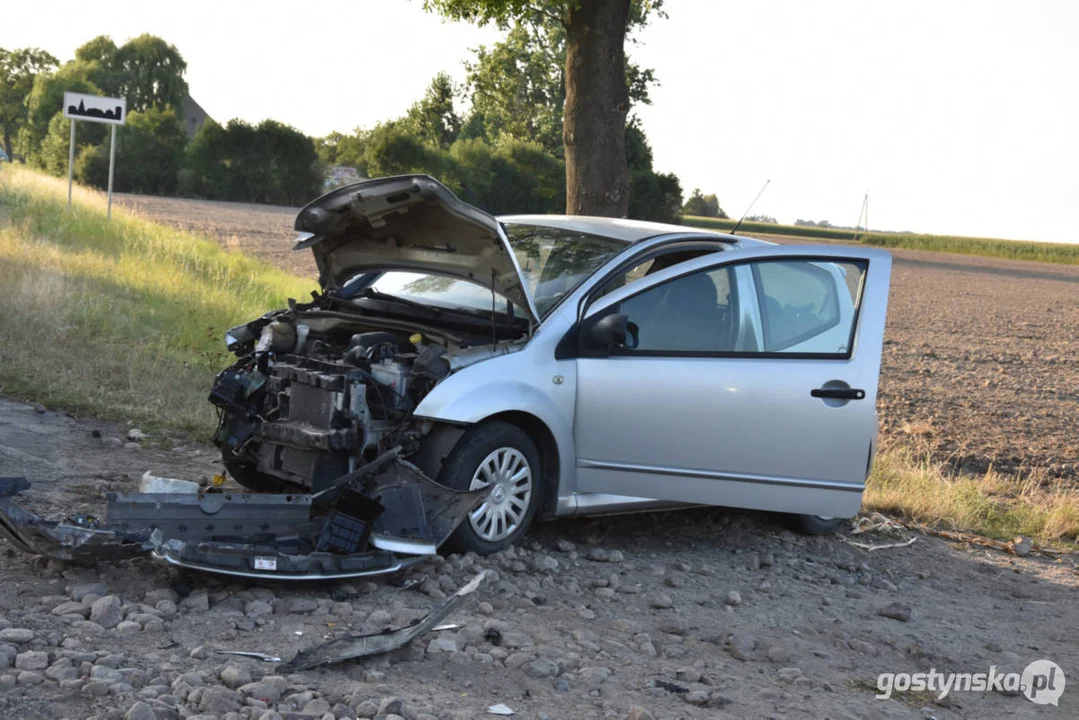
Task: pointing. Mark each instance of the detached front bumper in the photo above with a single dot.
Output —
(376, 520)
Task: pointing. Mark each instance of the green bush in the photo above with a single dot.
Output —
(92, 166)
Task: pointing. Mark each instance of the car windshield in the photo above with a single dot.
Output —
(553, 262)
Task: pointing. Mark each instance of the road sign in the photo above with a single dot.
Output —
(78, 106)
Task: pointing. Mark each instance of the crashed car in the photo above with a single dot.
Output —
(458, 376)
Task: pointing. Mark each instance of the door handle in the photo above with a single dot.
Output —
(838, 393)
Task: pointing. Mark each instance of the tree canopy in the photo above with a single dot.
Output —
(497, 139)
(704, 205)
(590, 95)
(267, 162)
(18, 68)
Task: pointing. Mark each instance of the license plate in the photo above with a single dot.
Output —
(265, 563)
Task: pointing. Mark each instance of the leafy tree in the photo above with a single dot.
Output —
(704, 205)
(268, 163)
(45, 101)
(517, 85)
(149, 152)
(205, 172)
(596, 91)
(98, 56)
(390, 149)
(340, 149)
(508, 176)
(293, 171)
(52, 154)
(18, 69)
(150, 72)
(434, 119)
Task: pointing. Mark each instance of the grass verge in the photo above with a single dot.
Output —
(993, 505)
(1058, 253)
(121, 320)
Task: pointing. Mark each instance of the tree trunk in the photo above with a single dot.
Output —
(597, 100)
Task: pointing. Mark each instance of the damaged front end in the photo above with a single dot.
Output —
(316, 415)
(376, 520)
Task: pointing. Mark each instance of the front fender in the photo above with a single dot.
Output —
(512, 383)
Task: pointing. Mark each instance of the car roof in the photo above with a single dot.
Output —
(622, 229)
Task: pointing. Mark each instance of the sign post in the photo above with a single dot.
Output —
(70, 163)
(78, 106)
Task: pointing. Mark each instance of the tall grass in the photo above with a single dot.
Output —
(991, 504)
(988, 247)
(122, 319)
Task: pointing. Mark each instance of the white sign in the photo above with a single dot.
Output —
(94, 108)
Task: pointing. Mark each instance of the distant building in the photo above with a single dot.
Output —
(338, 175)
(194, 116)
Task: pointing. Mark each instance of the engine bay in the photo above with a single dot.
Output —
(303, 409)
(317, 393)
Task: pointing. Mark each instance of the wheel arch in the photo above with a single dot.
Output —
(443, 437)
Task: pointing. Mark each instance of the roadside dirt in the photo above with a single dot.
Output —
(694, 614)
(979, 366)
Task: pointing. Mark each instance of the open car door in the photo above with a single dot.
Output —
(747, 379)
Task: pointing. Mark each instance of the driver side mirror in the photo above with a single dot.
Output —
(600, 336)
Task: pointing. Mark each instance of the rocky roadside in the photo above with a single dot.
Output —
(745, 620)
(705, 613)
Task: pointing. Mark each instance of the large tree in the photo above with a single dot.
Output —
(596, 89)
(18, 68)
(434, 117)
(150, 72)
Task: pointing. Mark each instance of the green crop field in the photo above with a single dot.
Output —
(989, 247)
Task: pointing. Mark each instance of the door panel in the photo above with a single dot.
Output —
(701, 412)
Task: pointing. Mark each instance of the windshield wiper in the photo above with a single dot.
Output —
(373, 294)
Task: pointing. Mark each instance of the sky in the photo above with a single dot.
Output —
(956, 117)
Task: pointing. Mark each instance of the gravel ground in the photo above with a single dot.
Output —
(696, 614)
(979, 365)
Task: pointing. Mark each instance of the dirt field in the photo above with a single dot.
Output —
(696, 614)
(979, 366)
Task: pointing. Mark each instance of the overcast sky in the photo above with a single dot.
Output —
(957, 117)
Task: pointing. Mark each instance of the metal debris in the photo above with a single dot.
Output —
(377, 520)
(357, 646)
(257, 655)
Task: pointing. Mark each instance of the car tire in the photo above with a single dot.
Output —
(501, 456)
(815, 524)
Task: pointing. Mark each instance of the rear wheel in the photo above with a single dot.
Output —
(815, 524)
(502, 459)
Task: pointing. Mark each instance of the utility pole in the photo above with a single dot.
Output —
(863, 216)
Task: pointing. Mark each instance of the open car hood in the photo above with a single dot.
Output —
(412, 223)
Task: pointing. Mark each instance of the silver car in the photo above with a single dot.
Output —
(561, 365)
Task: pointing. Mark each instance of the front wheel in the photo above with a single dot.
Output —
(501, 458)
(815, 524)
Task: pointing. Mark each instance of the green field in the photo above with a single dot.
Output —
(989, 247)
